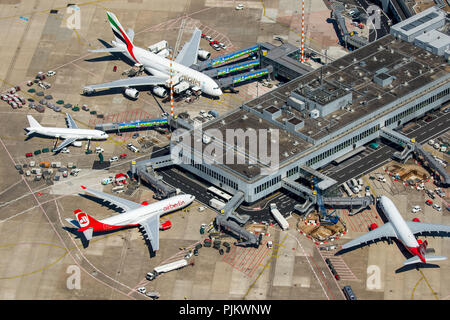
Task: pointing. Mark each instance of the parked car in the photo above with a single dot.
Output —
(240, 6)
(113, 159)
(99, 150)
(123, 156)
(429, 202)
(437, 207)
(65, 150)
(29, 154)
(416, 209)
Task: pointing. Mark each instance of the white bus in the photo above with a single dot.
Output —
(220, 193)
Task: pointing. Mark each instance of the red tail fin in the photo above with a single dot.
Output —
(423, 248)
(87, 222)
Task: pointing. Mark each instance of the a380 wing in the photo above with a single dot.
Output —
(124, 204)
(130, 82)
(385, 231)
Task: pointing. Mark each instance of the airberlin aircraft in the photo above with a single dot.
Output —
(135, 214)
(404, 231)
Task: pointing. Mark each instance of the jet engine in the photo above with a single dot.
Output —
(160, 91)
(132, 93)
(203, 54)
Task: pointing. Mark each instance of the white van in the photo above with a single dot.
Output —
(132, 148)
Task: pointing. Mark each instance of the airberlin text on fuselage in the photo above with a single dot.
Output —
(173, 206)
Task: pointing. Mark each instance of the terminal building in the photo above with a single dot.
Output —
(321, 116)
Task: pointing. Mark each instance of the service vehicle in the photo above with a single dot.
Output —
(166, 268)
(437, 207)
(278, 217)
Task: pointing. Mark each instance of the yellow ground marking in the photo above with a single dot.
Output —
(262, 271)
(56, 246)
(370, 187)
(39, 270)
(428, 284)
(282, 24)
(278, 244)
(414, 289)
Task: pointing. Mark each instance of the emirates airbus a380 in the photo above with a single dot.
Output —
(135, 214)
(404, 231)
(158, 66)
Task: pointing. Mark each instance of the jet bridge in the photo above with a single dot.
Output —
(438, 169)
(400, 139)
(225, 58)
(233, 80)
(145, 123)
(224, 221)
(237, 67)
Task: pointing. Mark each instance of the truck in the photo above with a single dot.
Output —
(278, 217)
(166, 268)
(155, 48)
(216, 204)
(182, 86)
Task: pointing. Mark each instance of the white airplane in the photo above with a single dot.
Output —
(404, 231)
(70, 134)
(156, 65)
(135, 214)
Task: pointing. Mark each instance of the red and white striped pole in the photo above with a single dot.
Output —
(171, 90)
(303, 33)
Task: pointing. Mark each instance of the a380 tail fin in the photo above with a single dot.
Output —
(118, 30)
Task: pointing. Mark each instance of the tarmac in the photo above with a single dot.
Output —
(44, 259)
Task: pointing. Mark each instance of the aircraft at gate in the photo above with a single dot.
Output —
(70, 134)
(404, 231)
(157, 65)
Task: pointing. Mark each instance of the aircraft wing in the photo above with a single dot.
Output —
(385, 231)
(151, 228)
(109, 50)
(427, 228)
(124, 204)
(188, 55)
(70, 123)
(130, 82)
(64, 144)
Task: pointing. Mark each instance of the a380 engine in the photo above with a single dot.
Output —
(132, 93)
(203, 54)
(160, 91)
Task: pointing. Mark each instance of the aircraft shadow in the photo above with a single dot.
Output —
(111, 56)
(417, 266)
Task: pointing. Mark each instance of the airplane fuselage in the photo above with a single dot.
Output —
(133, 217)
(158, 66)
(65, 133)
(404, 234)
